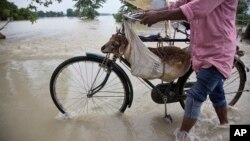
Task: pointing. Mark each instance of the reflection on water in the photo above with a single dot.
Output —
(30, 54)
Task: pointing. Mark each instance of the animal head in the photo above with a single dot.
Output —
(117, 44)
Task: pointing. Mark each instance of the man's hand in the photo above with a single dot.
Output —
(150, 17)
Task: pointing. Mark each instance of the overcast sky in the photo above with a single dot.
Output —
(111, 6)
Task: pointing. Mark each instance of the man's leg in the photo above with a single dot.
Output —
(192, 112)
(207, 80)
(219, 103)
(222, 115)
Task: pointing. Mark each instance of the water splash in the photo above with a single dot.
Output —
(207, 127)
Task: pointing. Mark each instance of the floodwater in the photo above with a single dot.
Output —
(30, 54)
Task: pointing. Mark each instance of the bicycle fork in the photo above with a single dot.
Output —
(93, 91)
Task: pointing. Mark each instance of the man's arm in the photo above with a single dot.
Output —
(192, 10)
(152, 17)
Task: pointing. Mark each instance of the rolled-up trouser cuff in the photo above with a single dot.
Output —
(192, 107)
(220, 104)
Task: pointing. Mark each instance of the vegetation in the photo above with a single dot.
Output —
(87, 8)
(50, 14)
(242, 16)
(45, 3)
(118, 16)
(72, 13)
(8, 9)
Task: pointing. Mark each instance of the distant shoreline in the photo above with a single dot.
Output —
(101, 15)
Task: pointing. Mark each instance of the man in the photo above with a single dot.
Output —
(213, 46)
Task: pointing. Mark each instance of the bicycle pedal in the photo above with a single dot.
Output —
(168, 119)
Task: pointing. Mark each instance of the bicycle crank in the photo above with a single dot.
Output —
(170, 93)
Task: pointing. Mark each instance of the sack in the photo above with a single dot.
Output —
(144, 63)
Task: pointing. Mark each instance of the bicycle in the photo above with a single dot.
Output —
(97, 84)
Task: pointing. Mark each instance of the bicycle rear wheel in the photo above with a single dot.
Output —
(233, 86)
(75, 79)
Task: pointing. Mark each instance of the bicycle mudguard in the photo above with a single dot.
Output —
(94, 55)
(244, 67)
(123, 73)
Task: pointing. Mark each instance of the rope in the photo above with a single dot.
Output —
(162, 56)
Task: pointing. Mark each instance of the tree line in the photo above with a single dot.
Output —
(50, 14)
(9, 9)
(242, 16)
(86, 9)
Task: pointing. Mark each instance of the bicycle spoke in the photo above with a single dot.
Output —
(65, 99)
(235, 92)
(232, 81)
(110, 92)
(93, 84)
(107, 86)
(110, 105)
(107, 96)
(72, 104)
(71, 91)
(91, 74)
(82, 78)
(82, 75)
(73, 80)
(86, 70)
(95, 105)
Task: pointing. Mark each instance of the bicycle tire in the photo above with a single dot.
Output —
(107, 101)
(235, 90)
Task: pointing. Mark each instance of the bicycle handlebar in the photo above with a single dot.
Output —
(136, 16)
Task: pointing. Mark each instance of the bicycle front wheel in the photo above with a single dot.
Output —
(233, 86)
(75, 80)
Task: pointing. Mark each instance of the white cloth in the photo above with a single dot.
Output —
(144, 63)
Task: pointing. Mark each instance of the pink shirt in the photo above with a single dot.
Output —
(213, 32)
